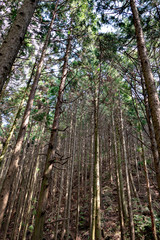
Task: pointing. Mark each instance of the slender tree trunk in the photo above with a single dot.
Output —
(96, 215)
(26, 185)
(152, 138)
(120, 206)
(136, 163)
(148, 189)
(14, 39)
(14, 193)
(135, 192)
(109, 155)
(59, 202)
(130, 211)
(16, 118)
(120, 170)
(91, 183)
(53, 187)
(82, 165)
(78, 188)
(67, 178)
(33, 185)
(65, 229)
(7, 184)
(85, 162)
(153, 98)
(71, 180)
(42, 202)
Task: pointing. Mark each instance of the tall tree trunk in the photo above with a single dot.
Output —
(153, 98)
(5, 147)
(96, 215)
(109, 155)
(120, 204)
(71, 179)
(91, 179)
(85, 162)
(152, 138)
(135, 192)
(33, 185)
(130, 211)
(15, 184)
(69, 140)
(148, 188)
(26, 185)
(42, 202)
(14, 39)
(78, 187)
(59, 203)
(120, 170)
(136, 165)
(7, 184)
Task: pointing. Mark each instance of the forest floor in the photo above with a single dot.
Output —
(109, 213)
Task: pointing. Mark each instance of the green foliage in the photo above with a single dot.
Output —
(139, 149)
(34, 212)
(31, 228)
(143, 228)
(39, 117)
(81, 220)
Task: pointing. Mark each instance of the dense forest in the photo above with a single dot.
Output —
(79, 119)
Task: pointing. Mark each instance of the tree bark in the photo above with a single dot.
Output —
(78, 187)
(26, 185)
(120, 204)
(15, 184)
(153, 98)
(7, 184)
(42, 202)
(5, 148)
(130, 211)
(148, 189)
(91, 179)
(96, 215)
(71, 179)
(152, 138)
(14, 39)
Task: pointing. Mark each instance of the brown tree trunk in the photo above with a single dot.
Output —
(120, 170)
(135, 192)
(5, 147)
(16, 180)
(59, 202)
(69, 140)
(148, 189)
(153, 98)
(41, 209)
(96, 215)
(14, 39)
(7, 184)
(109, 155)
(91, 178)
(130, 211)
(120, 204)
(71, 179)
(78, 187)
(32, 193)
(26, 189)
(152, 138)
